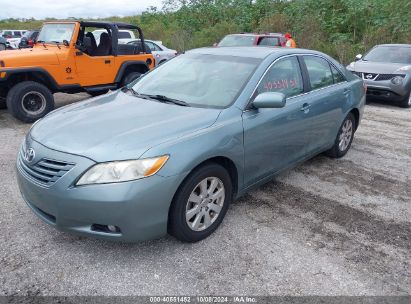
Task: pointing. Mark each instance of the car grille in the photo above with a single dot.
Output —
(46, 171)
(377, 77)
(387, 76)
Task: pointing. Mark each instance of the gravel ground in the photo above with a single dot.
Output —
(327, 227)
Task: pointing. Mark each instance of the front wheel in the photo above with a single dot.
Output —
(201, 203)
(344, 138)
(406, 103)
(2, 47)
(29, 101)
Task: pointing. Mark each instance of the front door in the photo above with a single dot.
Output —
(275, 138)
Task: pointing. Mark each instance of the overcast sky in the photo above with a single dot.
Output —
(40, 9)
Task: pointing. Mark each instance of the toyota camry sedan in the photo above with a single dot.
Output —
(169, 152)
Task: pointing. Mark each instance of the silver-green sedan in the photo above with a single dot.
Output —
(171, 151)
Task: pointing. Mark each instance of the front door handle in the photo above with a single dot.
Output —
(346, 91)
(305, 108)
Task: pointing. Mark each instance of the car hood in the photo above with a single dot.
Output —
(37, 56)
(118, 126)
(377, 67)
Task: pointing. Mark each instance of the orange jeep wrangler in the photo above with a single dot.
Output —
(69, 57)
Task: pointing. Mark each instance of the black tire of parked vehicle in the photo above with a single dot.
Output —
(29, 94)
(336, 151)
(3, 104)
(130, 77)
(406, 103)
(98, 93)
(177, 225)
(2, 47)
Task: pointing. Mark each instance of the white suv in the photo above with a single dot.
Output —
(13, 37)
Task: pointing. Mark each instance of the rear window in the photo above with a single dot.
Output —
(269, 41)
(237, 40)
(124, 35)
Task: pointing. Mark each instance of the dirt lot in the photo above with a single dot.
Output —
(327, 227)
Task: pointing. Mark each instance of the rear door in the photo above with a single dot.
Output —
(325, 103)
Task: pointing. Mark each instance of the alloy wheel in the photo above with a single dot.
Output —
(346, 135)
(205, 203)
(33, 103)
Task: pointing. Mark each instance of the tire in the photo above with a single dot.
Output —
(3, 104)
(196, 228)
(98, 93)
(344, 138)
(2, 47)
(130, 77)
(29, 101)
(406, 103)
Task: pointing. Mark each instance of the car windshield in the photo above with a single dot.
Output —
(199, 80)
(237, 40)
(390, 54)
(56, 32)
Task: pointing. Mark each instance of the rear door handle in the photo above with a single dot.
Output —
(346, 91)
(305, 108)
(107, 61)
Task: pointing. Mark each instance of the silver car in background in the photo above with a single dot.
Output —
(386, 70)
(160, 52)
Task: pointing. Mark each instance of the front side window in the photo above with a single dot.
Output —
(319, 72)
(200, 80)
(56, 32)
(283, 77)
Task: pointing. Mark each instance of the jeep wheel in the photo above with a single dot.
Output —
(130, 77)
(29, 101)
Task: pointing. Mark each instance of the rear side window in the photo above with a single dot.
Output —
(319, 72)
(124, 35)
(17, 34)
(338, 77)
(284, 77)
(269, 41)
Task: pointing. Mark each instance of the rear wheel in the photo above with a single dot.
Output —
(2, 47)
(344, 138)
(200, 203)
(130, 77)
(29, 101)
(406, 103)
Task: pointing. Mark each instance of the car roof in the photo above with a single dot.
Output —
(257, 34)
(251, 51)
(121, 25)
(395, 44)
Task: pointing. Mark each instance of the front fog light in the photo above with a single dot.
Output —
(397, 80)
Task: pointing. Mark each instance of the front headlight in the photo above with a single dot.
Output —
(122, 171)
(404, 68)
(397, 80)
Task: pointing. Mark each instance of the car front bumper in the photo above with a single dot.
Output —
(386, 90)
(138, 208)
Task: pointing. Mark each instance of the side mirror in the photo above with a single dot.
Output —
(269, 100)
(358, 57)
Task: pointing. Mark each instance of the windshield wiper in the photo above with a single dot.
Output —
(164, 98)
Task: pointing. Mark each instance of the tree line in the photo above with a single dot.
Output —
(341, 28)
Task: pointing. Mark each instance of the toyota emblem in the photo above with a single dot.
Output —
(29, 155)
